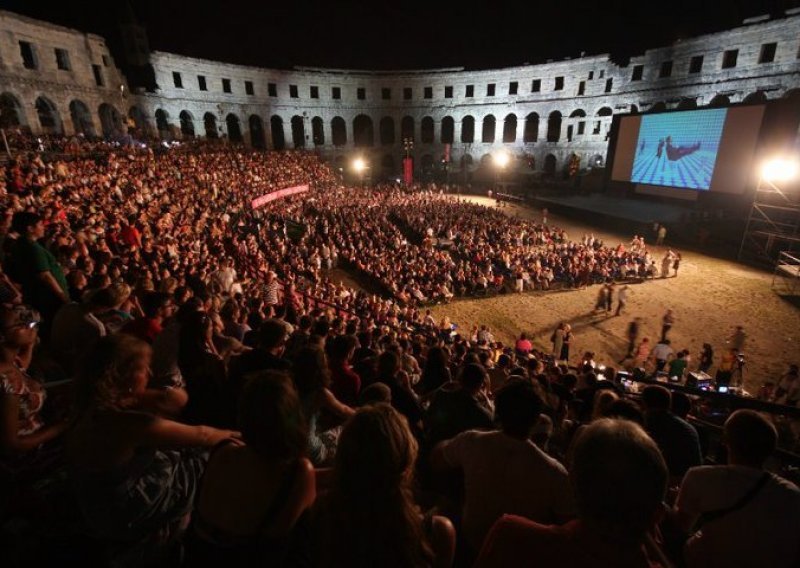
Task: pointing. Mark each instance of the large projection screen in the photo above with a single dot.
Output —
(689, 151)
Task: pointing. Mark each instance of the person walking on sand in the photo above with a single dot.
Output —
(676, 263)
(557, 339)
(666, 324)
(622, 299)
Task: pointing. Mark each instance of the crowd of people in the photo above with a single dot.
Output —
(183, 383)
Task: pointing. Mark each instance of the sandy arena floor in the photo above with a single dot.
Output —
(709, 298)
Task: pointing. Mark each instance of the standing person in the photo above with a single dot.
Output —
(622, 300)
(566, 343)
(661, 352)
(666, 324)
(666, 262)
(557, 339)
(748, 516)
(676, 263)
(738, 338)
(642, 353)
(634, 327)
(44, 285)
(609, 296)
(662, 234)
(706, 358)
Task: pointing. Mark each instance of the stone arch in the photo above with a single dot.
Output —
(468, 129)
(510, 129)
(578, 113)
(759, 97)
(426, 128)
(447, 135)
(110, 120)
(386, 131)
(338, 131)
(554, 126)
(11, 112)
(658, 107)
(187, 124)
(317, 131)
(407, 128)
(466, 162)
(531, 128)
(276, 129)
(257, 138)
(687, 103)
(720, 101)
(81, 118)
(604, 111)
(137, 118)
(298, 132)
(634, 109)
(486, 160)
(488, 130)
(162, 122)
(363, 132)
(234, 128)
(49, 119)
(550, 165)
(210, 125)
(597, 161)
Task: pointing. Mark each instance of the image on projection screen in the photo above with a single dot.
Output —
(678, 149)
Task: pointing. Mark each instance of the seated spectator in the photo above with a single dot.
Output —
(619, 481)
(523, 346)
(464, 406)
(509, 462)
(134, 474)
(254, 493)
(676, 438)
(156, 308)
(76, 328)
(369, 517)
(741, 514)
(268, 355)
(345, 383)
(436, 371)
(403, 398)
(23, 428)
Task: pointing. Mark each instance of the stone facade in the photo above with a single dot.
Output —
(543, 113)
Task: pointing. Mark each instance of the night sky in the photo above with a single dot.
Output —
(405, 35)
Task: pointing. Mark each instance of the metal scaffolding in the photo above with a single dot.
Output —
(773, 224)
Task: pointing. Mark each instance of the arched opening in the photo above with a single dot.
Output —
(658, 107)
(577, 124)
(486, 161)
(110, 120)
(489, 126)
(386, 129)
(531, 128)
(49, 119)
(210, 125)
(605, 111)
(468, 130)
(363, 133)
(317, 131)
(276, 129)
(554, 127)
(11, 111)
(687, 104)
(426, 131)
(427, 164)
(234, 128)
(137, 119)
(162, 122)
(257, 138)
(466, 162)
(550, 165)
(510, 129)
(187, 124)
(720, 101)
(298, 132)
(81, 118)
(759, 97)
(338, 131)
(597, 161)
(448, 130)
(407, 128)
(387, 165)
(634, 109)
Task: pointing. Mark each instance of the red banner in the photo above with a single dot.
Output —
(286, 192)
(408, 171)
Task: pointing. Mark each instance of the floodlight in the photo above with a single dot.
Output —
(501, 159)
(779, 169)
(359, 165)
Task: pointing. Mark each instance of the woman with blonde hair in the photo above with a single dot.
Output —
(369, 517)
(134, 473)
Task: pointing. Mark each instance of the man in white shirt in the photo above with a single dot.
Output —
(504, 471)
(661, 352)
(748, 516)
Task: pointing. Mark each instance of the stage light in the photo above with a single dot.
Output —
(359, 165)
(779, 169)
(501, 159)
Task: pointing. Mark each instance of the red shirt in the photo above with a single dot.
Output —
(516, 542)
(143, 328)
(345, 383)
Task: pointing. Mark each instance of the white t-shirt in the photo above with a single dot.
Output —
(661, 351)
(504, 475)
(765, 532)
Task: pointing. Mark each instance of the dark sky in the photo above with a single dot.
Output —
(404, 35)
